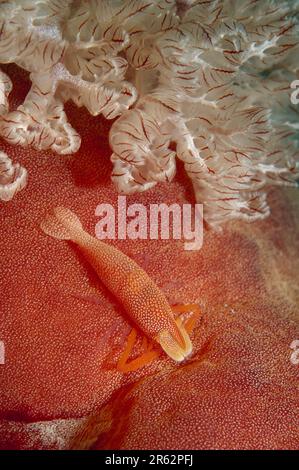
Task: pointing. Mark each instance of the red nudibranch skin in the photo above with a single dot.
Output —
(63, 340)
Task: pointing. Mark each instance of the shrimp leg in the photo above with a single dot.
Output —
(189, 324)
(149, 355)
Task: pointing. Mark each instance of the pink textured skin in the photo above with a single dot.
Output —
(64, 332)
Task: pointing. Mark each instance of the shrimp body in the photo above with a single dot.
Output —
(143, 301)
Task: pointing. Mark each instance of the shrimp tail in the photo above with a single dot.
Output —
(62, 224)
(176, 345)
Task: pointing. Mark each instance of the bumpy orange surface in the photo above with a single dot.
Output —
(64, 333)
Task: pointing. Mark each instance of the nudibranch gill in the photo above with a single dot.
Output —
(144, 302)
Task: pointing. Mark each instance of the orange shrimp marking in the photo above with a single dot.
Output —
(149, 355)
(142, 299)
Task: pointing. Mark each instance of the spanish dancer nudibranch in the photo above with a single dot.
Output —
(142, 299)
(13, 178)
(205, 83)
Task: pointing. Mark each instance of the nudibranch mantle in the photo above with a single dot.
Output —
(13, 177)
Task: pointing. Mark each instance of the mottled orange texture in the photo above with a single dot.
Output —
(145, 304)
(64, 333)
(233, 394)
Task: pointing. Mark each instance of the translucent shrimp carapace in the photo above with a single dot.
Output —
(144, 302)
